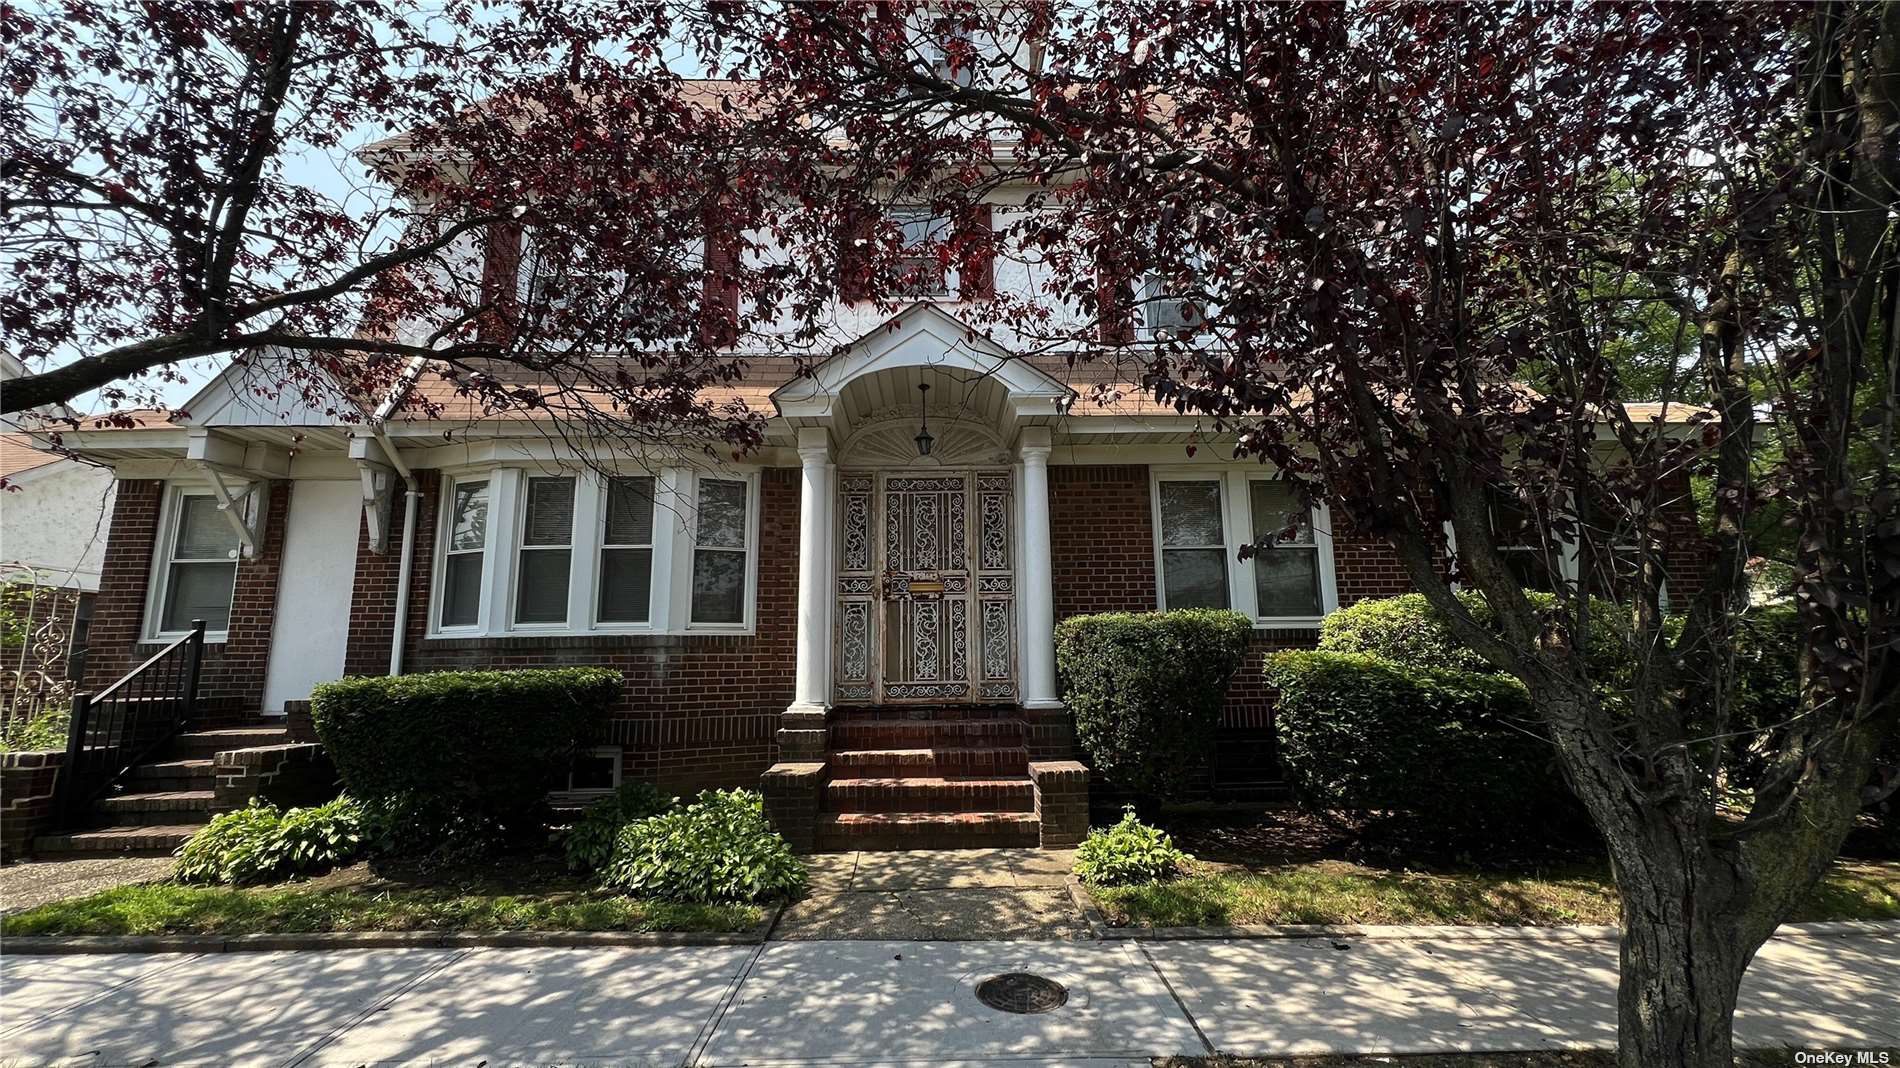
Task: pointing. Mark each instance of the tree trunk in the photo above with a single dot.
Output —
(1681, 970)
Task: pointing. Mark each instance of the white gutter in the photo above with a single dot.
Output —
(411, 499)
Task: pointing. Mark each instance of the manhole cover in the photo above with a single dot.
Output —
(1021, 992)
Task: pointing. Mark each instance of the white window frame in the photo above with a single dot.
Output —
(676, 496)
(683, 571)
(952, 278)
(445, 520)
(1236, 516)
(520, 548)
(656, 584)
(171, 508)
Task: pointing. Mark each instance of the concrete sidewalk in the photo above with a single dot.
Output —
(881, 1002)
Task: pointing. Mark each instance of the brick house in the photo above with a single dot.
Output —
(869, 623)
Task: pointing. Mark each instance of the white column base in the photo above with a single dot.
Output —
(1043, 703)
(807, 707)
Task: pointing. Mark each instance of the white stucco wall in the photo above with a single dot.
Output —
(56, 522)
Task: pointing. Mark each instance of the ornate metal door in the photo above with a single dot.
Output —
(926, 593)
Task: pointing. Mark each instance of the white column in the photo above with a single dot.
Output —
(811, 689)
(1033, 581)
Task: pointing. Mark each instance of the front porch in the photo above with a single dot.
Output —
(925, 708)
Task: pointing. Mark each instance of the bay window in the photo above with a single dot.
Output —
(1204, 515)
(534, 551)
(719, 552)
(196, 567)
(461, 586)
(547, 540)
(626, 552)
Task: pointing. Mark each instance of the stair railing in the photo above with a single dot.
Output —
(114, 730)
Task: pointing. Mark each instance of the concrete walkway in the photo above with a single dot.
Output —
(893, 1002)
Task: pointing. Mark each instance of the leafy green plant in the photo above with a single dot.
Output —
(1147, 690)
(457, 762)
(1129, 852)
(45, 730)
(589, 844)
(720, 847)
(1459, 749)
(260, 843)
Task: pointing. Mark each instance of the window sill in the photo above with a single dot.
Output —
(212, 637)
(1306, 623)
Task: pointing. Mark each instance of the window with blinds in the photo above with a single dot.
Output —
(626, 551)
(546, 556)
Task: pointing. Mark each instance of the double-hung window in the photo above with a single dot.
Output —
(1172, 306)
(547, 550)
(719, 552)
(1193, 544)
(461, 587)
(1286, 557)
(198, 566)
(534, 551)
(921, 270)
(1521, 541)
(626, 552)
(1204, 515)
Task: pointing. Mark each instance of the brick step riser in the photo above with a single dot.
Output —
(204, 749)
(172, 782)
(909, 713)
(102, 818)
(926, 735)
(930, 799)
(841, 841)
(929, 769)
(44, 847)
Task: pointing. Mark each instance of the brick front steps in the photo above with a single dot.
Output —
(160, 803)
(925, 778)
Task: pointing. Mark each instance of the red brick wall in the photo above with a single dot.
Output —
(698, 710)
(231, 682)
(1101, 544)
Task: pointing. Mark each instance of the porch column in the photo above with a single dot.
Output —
(811, 688)
(1033, 576)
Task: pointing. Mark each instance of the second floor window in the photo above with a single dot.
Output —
(921, 269)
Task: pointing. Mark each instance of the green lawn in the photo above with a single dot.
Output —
(169, 908)
(1337, 891)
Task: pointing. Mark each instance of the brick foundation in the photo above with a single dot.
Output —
(27, 779)
(284, 775)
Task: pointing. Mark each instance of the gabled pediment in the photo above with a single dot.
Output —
(267, 389)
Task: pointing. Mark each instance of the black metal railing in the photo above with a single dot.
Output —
(114, 730)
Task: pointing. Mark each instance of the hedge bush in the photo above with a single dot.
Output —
(1147, 689)
(1129, 852)
(1407, 629)
(454, 761)
(589, 844)
(262, 844)
(720, 847)
(1461, 749)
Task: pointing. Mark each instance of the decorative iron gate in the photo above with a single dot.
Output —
(926, 588)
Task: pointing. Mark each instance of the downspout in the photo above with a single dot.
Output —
(406, 564)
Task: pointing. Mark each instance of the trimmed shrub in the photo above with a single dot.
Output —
(1458, 748)
(589, 844)
(456, 761)
(720, 847)
(1129, 852)
(262, 844)
(1147, 689)
(1408, 630)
